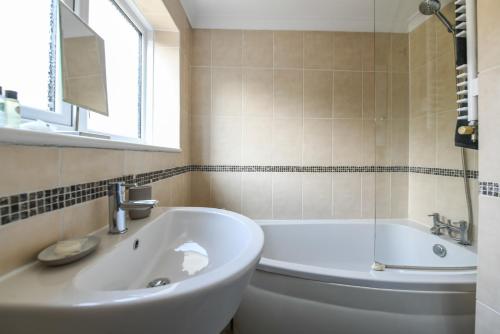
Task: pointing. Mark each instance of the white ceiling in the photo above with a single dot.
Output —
(328, 15)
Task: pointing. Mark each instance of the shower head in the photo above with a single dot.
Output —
(433, 7)
(429, 7)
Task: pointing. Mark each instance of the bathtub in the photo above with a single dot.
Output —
(316, 277)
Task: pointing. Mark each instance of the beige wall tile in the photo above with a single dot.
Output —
(225, 141)
(488, 32)
(258, 48)
(316, 195)
(400, 142)
(368, 107)
(348, 142)
(349, 47)
(288, 49)
(257, 195)
(162, 191)
(422, 197)
(368, 196)
(318, 50)
(82, 219)
(81, 165)
(376, 95)
(177, 186)
(423, 141)
(227, 92)
(348, 91)
(317, 142)
(347, 195)
(423, 89)
(258, 92)
(287, 141)
(489, 252)
(376, 193)
(445, 83)
(489, 162)
(383, 144)
(400, 98)
(487, 319)
(318, 94)
(423, 44)
(200, 189)
(27, 168)
(257, 137)
(137, 162)
(227, 47)
(201, 90)
(367, 46)
(288, 93)
(201, 49)
(448, 155)
(287, 196)
(200, 139)
(443, 37)
(382, 51)
(399, 195)
(399, 53)
(369, 145)
(450, 198)
(226, 191)
(23, 240)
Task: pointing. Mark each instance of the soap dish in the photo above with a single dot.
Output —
(49, 257)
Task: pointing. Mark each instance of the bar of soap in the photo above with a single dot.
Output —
(68, 247)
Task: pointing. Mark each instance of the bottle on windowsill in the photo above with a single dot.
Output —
(12, 110)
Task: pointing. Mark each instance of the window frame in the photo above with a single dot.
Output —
(145, 119)
(62, 118)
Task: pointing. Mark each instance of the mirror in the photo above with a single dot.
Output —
(83, 63)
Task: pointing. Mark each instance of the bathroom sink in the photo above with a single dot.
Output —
(183, 270)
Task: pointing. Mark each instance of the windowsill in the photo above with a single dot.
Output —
(38, 138)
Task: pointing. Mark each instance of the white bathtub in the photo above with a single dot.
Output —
(316, 277)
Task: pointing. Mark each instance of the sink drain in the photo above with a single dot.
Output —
(158, 282)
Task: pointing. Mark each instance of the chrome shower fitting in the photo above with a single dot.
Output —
(433, 7)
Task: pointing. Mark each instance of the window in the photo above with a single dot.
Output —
(36, 60)
(124, 67)
(144, 103)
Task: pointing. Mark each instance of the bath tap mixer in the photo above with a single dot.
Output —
(118, 206)
(458, 231)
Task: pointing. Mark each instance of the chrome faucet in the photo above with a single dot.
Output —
(458, 231)
(118, 206)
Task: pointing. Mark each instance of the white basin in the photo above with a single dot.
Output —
(208, 255)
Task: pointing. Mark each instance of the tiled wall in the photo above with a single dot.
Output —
(291, 98)
(432, 125)
(29, 169)
(488, 288)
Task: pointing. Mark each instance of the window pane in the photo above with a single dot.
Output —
(123, 44)
(26, 49)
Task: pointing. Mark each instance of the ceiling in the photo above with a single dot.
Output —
(323, 15)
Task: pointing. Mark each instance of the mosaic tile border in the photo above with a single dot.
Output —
(21, 206)
(491, 189)
(334, 169)
(25, 205)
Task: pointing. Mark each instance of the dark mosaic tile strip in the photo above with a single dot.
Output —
(491, 189)
(472, 174)
(22, 206)
(335, 169)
